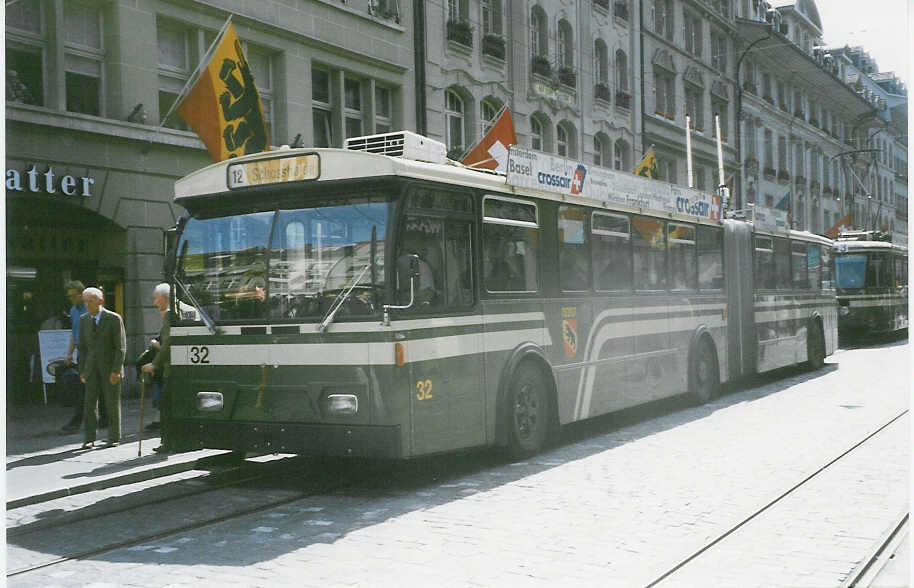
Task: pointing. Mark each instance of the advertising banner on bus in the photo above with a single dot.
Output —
(541, 171)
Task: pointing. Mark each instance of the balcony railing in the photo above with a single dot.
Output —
(620, 10)
(567, 76)
(769, 173)
(494, 45)
(623, 99)
(750, 87)
(541, 66)
(604, 4)
(460, 31)
(601, 92)
(783, 176)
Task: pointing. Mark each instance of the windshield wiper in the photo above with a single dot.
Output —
(341, 298)
(210, 324)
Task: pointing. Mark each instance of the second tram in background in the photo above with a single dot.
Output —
(871, 278)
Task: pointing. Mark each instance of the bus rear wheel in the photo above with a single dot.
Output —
(705, 376)
(528, 411)
(815, 348)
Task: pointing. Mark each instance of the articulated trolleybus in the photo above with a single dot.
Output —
(383, 301)
(871, 275)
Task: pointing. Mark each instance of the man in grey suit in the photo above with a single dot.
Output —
(102, 346)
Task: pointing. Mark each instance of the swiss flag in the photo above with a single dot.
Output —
(844, 224)
(492, 150)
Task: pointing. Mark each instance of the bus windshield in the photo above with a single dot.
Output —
(284, 264)
(850, 271)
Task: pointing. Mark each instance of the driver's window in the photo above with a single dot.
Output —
(421, 236)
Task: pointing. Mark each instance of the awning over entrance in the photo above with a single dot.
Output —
(792, 59)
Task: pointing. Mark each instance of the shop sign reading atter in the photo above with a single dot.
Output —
(32, 180)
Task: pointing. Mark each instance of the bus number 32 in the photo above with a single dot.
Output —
(425, 389)
(199, 354)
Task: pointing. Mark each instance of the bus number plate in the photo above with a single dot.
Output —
(199, 354)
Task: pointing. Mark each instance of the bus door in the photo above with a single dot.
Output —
(901, 291)
(741, 337)
(442, 341)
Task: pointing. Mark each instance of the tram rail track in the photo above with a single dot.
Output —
(754, 515)
(330, 483)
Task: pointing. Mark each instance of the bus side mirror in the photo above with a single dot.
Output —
(413, 266)
(169, 238)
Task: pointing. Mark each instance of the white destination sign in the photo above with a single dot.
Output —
(541, 171)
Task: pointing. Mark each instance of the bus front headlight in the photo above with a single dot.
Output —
(345, 404)
(209, 401)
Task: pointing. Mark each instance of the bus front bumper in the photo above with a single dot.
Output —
(382, 442)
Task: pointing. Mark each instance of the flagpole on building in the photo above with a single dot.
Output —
(201, 66)
(689, 176)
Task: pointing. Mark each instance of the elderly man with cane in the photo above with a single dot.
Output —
(161, 364)
(102, 346)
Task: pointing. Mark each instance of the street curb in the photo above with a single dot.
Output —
(132, 478)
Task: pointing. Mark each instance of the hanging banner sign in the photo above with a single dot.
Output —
(541, 171)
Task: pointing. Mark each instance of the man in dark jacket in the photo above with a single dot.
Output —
(102, 346)
(160, 366)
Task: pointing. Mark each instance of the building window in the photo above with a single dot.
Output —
(565, 140)
(321, 110)
(565, 45)
(174, 68)
(666, 170)
(454, 121)
(539, 132)
(83, 57)
(621, 71)
(664, 94)
(751, 138)
(663, 18)
(692, 30)
(488, 111)
(622, 159)
(782, 154)
(352, 101)
(698, 178)
(695, 107)
(25, 46)
(719, 54)
(261, 63)
(720, 108)
(600, 62)
(382, 110)
(539, 43)
(769, 149)
(491, 17)
(601, 151)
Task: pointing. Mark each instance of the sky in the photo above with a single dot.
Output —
(880, 26)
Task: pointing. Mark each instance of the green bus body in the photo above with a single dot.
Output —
(871, 279)
(439, 378)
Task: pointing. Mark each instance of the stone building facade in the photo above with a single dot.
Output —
(567, 69)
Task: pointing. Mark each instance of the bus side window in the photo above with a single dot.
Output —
(763, 266)
(574, 266)
(827, 268)
(877, 271)
(710, 258)
(681, 245)
(799, 258)
(814, 267)
(612, 255)
(510, 245)
(782, 264)
(649, 253)
(458, 273)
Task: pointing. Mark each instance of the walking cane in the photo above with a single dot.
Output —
(139, 447)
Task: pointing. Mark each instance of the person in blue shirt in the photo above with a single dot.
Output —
(75, 295)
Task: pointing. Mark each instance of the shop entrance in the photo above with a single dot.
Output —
(47, 246)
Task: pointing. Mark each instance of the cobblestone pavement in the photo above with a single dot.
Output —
(612, 507)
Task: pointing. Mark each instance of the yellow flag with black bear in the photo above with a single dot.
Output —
(648, 165)
(223, 105)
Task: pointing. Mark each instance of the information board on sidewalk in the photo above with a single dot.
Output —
(53, 346)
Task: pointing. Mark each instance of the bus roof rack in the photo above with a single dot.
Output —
(865, 236)
(405, 144)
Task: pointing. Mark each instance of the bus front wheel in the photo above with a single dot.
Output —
(705, 377)
(528, 410)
